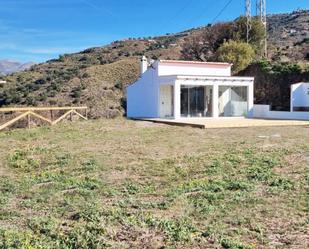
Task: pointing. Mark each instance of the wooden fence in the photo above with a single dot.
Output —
(32, 112)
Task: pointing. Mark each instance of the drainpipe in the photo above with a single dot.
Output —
(291, 99)
(215, 101)
(144, 64)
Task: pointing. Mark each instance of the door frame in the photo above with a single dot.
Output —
(171, 113)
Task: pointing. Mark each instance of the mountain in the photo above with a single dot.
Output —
(289, 36)
(97, 77)
(8, 67)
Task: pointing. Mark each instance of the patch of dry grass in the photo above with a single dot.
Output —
(125, 184)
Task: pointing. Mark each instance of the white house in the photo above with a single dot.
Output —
(300, 97)
(178, 89)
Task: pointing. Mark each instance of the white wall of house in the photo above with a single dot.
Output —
(142, 97)
(299, 95)
(263, 111)
(193, 69)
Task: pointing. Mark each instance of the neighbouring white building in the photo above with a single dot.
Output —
(300, 97)
(184, 89)
(2, 82)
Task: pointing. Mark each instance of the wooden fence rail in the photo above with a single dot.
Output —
(31, 112)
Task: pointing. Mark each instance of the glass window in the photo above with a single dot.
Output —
(196, 101)
(233, 101)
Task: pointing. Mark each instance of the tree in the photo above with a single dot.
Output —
(203, 45)
(240, 54)
(256, 35)
(193, 49)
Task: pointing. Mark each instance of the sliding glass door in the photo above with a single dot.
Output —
(184, 101)
(196, 101)
(233, 101)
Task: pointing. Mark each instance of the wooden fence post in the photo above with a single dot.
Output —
(27, 112)
(51, 115)
(29, 120)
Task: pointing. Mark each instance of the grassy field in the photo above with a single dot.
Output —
(126, 184)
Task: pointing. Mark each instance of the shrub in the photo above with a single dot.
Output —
(287, 68)
(42, 97)
(239, 53)
(85, 75)
(282, 183)
(119, 85)
(40, 81)
(23, 159)
(31, 101)
(76, 93)
(61, 58)
(233, 244)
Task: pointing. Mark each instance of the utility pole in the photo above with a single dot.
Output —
(261, 14)
(248, 19)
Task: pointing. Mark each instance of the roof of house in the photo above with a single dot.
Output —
(300, 83)
(209, 77)
(196, 63)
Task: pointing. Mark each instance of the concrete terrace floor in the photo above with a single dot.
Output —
(234, 122)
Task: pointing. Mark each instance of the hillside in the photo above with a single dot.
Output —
(97, 77)
(141, 185)
(63, 83)
(289, 36)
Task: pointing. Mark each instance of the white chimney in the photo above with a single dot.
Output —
(144, 64)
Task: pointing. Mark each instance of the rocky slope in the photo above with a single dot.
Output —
(289, 36)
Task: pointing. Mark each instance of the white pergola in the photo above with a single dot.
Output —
(215, 82)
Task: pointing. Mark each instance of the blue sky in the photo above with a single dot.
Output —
(38, 30)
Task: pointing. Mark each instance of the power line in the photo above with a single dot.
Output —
(187, 4)
(203, 12)
(222, 10)
(98, 8)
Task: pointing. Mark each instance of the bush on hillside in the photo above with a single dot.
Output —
(204, 45)
(280, 68)
(256, 35)
(239, 53)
